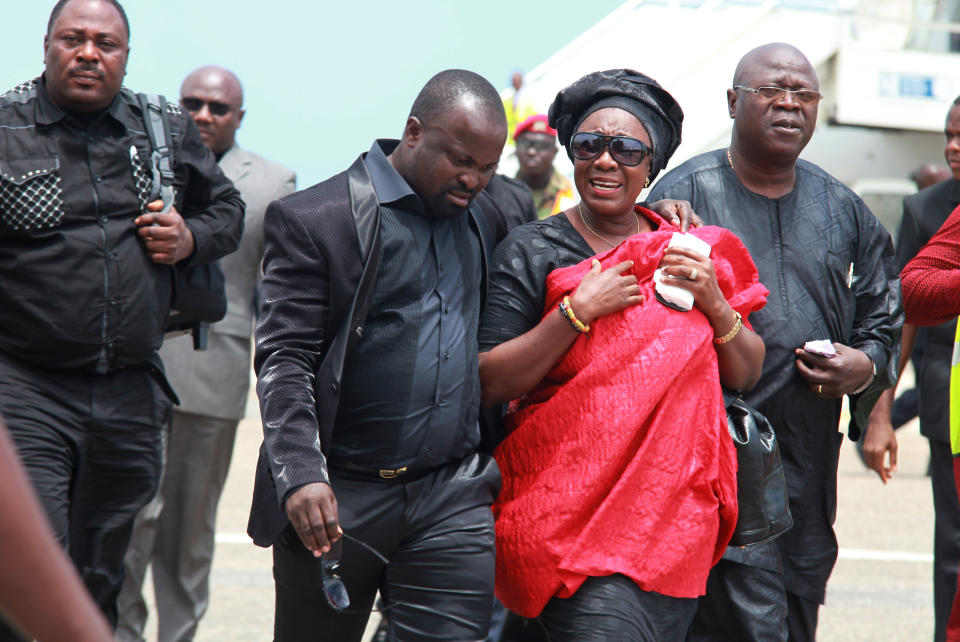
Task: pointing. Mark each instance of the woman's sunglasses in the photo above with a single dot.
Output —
(623, 149)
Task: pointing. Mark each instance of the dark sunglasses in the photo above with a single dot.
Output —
(216, 107)
(623, 149)
(536, 144)
(333, 587)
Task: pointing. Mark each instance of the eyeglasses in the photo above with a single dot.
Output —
(333, 587)
(802, 96)
(623, 149)
(525, 143)
(216, 107)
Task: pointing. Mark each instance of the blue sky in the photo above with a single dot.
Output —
(322, 79)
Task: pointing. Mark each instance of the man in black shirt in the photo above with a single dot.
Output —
(829, 266)
(393, 462)
(85, 282)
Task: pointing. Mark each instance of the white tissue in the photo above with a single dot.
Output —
(690, 242)
(680, 297)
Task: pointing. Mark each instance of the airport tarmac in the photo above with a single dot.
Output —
(880, 589)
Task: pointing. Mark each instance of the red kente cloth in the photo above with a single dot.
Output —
(620, 460)
(931, 280)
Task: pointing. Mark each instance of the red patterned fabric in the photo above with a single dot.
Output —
(931, 280)
(620, 460)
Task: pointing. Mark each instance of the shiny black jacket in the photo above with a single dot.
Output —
(321, 255)
(77, 289)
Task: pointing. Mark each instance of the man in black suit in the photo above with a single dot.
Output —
(923, 214)
(366, 358)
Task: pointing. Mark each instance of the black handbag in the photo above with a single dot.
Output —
(764, 506)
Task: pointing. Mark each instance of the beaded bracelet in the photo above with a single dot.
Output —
(567, 311)
(734, 331)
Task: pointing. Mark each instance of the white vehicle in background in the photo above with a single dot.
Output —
(887, 69)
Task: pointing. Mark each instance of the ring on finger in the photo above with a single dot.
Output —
(819, 388)
(693, 274)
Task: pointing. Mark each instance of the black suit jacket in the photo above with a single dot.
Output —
(321, 255)
(923, 214)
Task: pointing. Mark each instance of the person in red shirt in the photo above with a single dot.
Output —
(931, 281)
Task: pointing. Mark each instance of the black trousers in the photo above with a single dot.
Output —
(742, 604)
(437, 532)
(91, 446)
(615, 608)
(946, 535)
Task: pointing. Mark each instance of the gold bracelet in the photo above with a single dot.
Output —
(567, 311)
(734, 331)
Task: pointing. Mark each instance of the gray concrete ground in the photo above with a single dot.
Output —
(879, 591)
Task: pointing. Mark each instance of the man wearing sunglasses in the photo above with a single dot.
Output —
(536, 148)
(174, 534)
(831, 272)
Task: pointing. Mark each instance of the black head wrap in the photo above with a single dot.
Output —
(626, 89)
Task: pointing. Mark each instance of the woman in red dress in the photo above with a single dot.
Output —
(619, 474)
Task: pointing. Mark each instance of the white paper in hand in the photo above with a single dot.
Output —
(822, 347)
(670, 295)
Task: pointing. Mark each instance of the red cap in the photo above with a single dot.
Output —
(537, 124)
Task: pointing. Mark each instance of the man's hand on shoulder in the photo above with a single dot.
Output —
(677, 212)
(167, 238)
(835, 376)
(312, 509)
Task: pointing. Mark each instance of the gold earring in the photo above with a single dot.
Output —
(647, 184)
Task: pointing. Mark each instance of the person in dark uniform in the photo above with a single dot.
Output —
(923, 214)
(86, 282)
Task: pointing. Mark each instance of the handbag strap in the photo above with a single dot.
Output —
(154, 111)
(729, 396)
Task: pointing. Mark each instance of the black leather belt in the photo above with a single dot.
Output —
(402, 474)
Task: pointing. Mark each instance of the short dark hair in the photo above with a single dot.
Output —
(58, 9)
(449, 87)
(956, 101)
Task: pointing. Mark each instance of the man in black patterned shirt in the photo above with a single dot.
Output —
(829, 266)
(86, 280)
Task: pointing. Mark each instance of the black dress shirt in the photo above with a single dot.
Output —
(77, 289)
(411, 391)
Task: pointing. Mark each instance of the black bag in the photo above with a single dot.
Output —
(764, 507)
(199, 291)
